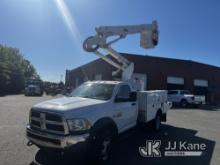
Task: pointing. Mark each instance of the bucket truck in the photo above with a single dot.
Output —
(96, 112)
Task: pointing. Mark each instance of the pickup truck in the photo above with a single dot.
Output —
(93, 115)
(184, 98)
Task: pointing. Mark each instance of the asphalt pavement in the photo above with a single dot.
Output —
(192, 126)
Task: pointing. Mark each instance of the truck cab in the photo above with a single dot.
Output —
(93, 106)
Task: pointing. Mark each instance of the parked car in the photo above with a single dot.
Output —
(54, 89)
(184, 98)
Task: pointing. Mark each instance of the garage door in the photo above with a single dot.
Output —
(175, 83)
(200, 87)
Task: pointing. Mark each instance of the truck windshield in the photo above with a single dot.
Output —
(94, 91)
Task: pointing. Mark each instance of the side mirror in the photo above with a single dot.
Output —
(133, 96)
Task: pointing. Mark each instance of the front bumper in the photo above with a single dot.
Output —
(47, 140)
(195, 102)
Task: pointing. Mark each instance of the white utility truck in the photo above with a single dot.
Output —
(97, 111)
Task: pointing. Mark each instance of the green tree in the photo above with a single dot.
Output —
(14, 70)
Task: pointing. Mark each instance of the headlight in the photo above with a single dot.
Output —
(78, 124)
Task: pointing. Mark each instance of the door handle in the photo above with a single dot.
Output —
(133, 104)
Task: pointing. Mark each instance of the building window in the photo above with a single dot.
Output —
(174, 83)
(200, 87)
(201, 83)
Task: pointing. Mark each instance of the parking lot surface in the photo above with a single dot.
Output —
(191, 125)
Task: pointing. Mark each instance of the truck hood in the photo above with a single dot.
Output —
(68, 103)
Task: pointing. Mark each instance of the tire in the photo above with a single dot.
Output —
(183, 103)
(196, 105)
(157, 123)
(103, 145)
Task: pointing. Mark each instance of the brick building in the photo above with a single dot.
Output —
(157, 73)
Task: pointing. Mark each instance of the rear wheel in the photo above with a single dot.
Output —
(157, 122)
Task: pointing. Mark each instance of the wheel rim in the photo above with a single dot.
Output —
(106, 148)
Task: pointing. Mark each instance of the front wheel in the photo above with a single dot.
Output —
(183, 103)
(103, 146)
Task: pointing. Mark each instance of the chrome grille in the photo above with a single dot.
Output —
(48, 122)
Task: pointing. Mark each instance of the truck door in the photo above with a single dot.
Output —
(126, 111)
(173, 96)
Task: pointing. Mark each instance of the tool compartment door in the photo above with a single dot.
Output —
(152, 106)
(147, 106)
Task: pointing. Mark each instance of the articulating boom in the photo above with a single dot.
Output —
(148, 39)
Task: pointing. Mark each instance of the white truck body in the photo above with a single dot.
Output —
(48, 116)
(149, 102)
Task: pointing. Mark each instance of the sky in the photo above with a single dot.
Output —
(50, 33)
